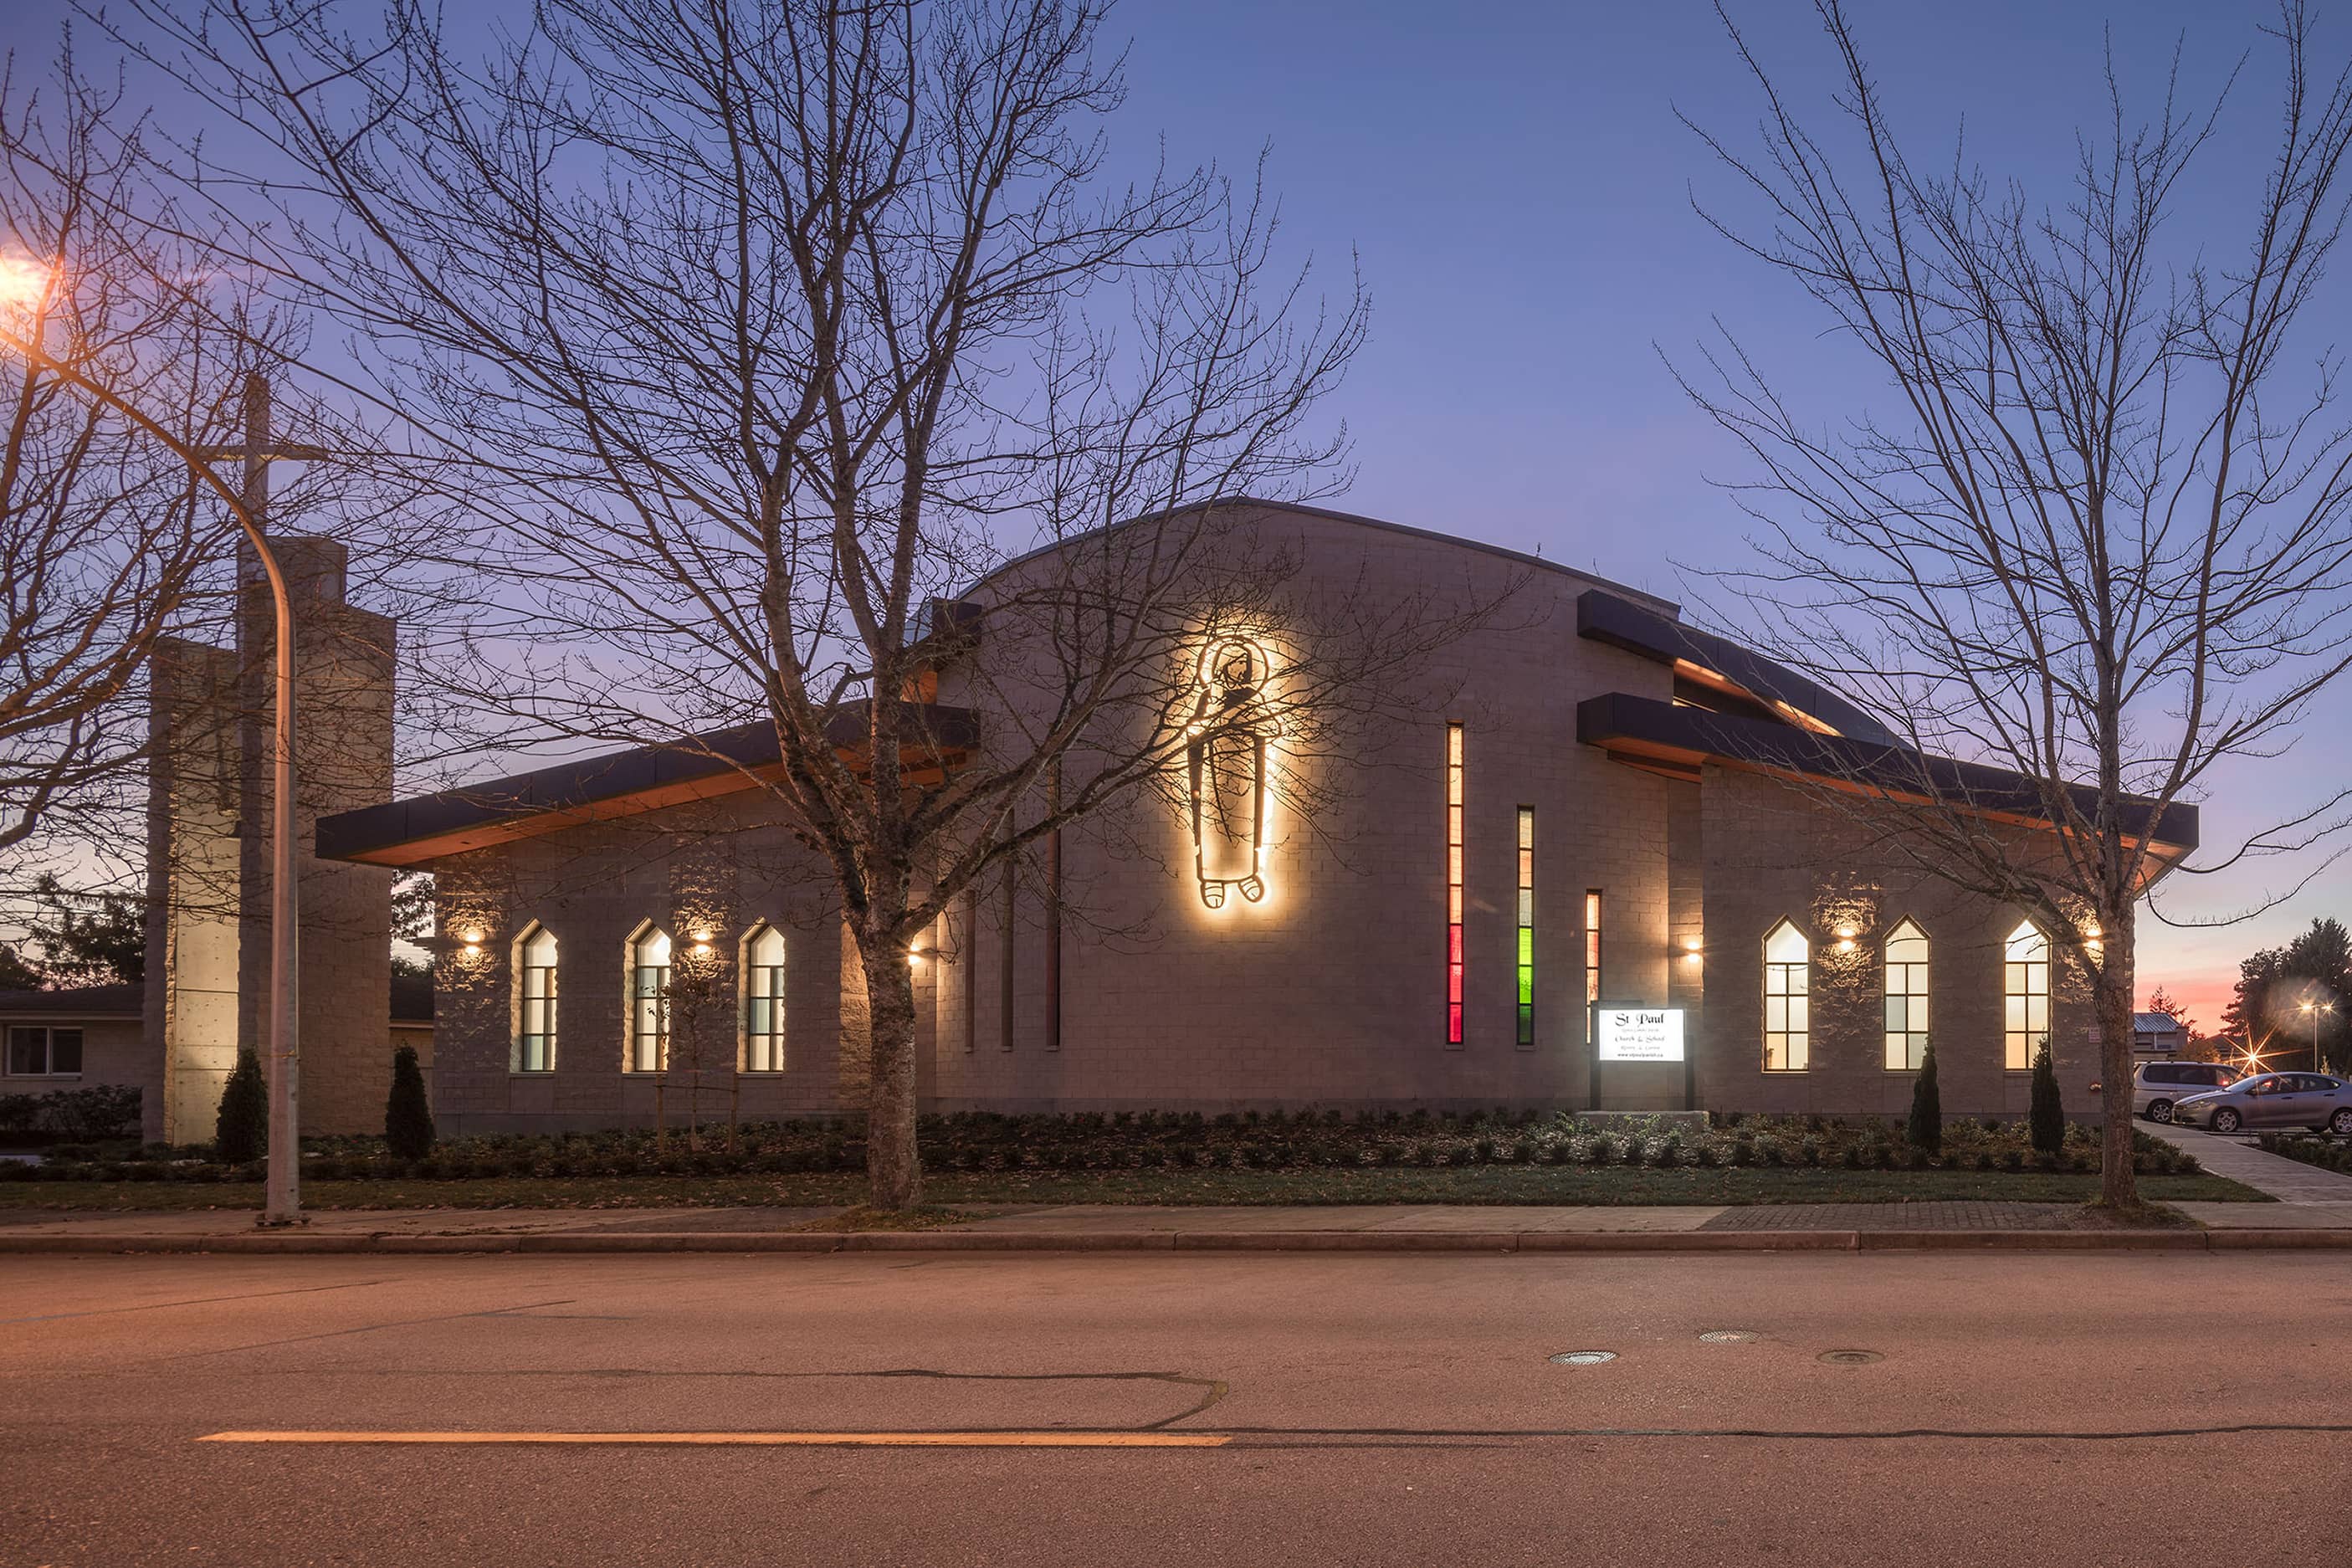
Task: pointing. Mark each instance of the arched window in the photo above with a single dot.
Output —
(1906, 997)
(2025, 995)
(763, 999)
(534, 961)
(648, 1049)
(1788, 1000)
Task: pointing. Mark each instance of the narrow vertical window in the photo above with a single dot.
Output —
(1453, 884)
(649, 1000)
(2025, 993)
(1592, 958)
(535, 1001)
(1788, 1000)
(1527, 958)
(763, 1000)
(1906, 997)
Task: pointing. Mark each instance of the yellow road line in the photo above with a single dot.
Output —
(763, 1439)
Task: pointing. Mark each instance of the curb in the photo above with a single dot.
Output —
(1486, 1242)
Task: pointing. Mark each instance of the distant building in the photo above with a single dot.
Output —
(2158, 1034)
(68, 1038)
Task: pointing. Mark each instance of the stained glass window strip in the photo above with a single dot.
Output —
(2025, 996)
(1906, 997)
(1527, 957)
(1592, 958)
(1453, 884)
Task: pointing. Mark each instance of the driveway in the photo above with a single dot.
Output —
(2289, 1181)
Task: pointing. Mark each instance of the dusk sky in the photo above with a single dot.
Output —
(1518, 191)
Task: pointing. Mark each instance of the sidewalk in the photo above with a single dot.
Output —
(2293, 1183)
(1852, 1227)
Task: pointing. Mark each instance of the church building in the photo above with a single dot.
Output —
(1607, 865)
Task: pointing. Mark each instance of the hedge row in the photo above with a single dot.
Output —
(977, 1144)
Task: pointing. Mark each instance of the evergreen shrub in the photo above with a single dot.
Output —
(241, 1133)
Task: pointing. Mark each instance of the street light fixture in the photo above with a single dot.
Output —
(25, 288)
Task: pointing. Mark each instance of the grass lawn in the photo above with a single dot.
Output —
(1452, 1184)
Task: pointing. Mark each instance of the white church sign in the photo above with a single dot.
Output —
(1640, 1035)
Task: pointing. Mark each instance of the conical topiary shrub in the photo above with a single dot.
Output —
(2048, 1117)
(407, 1116)
(242, 1134)
(1926, 1129)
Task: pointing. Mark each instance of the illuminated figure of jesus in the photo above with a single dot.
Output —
(1227, 755)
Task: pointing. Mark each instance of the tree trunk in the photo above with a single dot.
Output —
(894, 1170)
(2112, 986)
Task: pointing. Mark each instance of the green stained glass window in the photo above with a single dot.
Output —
(1527, 957)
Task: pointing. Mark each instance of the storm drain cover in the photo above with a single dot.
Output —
(1584, 1358)
(1728, 1336)
(1851, 1358)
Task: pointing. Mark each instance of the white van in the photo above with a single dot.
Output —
(2155, 1084)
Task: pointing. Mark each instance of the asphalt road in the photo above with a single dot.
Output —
(1379, 1409)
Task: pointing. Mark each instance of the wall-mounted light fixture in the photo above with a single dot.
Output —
(1845, 935)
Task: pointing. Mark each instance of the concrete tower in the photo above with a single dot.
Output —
(209, 810)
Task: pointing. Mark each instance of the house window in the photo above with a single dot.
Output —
(1453, 884)
(649, 1000)
(1906, 997)
(44, 1050)
(763, 1000)
(535, 1001)
(1788, 1000)
(1527, 957)
(2025, 995)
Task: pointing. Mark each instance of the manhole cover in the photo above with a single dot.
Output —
(1851, 1358)
(1584, 1358)
(1728, 1336)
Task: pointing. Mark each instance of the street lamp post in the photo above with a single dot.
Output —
(24, 288)
(2316, 1009)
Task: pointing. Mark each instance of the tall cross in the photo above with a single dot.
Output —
(260, 449)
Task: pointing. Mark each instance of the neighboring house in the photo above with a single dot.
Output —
(2158, 1034)
(95, 1036)
(71, 1039)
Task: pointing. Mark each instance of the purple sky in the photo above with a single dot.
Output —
(1518, 189)
(1515, 182)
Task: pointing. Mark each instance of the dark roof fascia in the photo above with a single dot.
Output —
(79, 1001)
(1542, 562)
(1619, 717)
(1606, 617)
(589, 781)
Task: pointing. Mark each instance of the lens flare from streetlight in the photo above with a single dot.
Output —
(24, 283)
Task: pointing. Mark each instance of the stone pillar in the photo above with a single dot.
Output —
(194, 867)
(343, 661)
(212, 725)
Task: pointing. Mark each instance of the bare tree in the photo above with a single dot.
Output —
(775, 330)
(123, 351)
(2097, 535)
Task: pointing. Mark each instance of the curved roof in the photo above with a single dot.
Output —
(1302, 509)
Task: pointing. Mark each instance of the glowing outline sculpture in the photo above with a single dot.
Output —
(1230, 690)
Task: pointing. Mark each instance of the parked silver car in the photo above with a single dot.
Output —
(2157, 1087)
(2309, 1099)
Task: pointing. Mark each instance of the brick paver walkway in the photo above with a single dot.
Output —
(1940, 1216)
